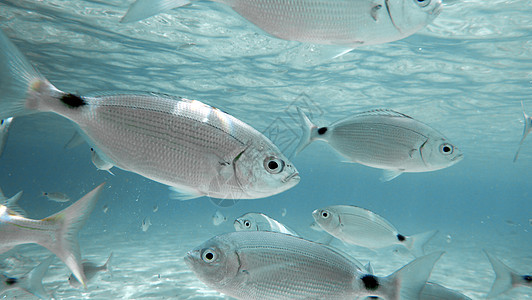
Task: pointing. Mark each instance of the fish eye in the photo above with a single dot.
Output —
(273, 165)
(422, 3)
(247, 224)
(325, 214)
(208, 255)
(446, 149)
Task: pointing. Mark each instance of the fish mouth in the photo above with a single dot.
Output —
(291, 176)
(457, 158)
(189, 259)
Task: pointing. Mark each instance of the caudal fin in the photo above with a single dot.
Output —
(143, 9)
(71, 220)
(18, 79)
(407, 282)
(526, 130)
(309, 131)
(504, 276)
(417, 242)
(32, 281)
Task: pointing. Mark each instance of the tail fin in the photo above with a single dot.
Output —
(32, 281)
(309, 131)
(11, 203)
(416, 242)
(18, 79)
(526, 130)
(143, 9)
(105, 266)
(504, 276)
(407, 282)
(71, 219)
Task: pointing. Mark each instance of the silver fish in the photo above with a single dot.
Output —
(384, 139)
(283, 212)
(348, 23)
(146, 223)
(105, 208)
(218, 218)
(30, 282)
(505, 277)
(4, 128)
(359, 226)
(188, 145)
(260, 222)
(90, 269)
(56, 196)
(100, 163)
(270, 265)
(57, 233)
(155, 208)
(526, 130)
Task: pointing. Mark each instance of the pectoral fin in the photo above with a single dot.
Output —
(388, 175)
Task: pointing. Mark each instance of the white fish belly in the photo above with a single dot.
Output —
(177, 143)
(336, 22)
(379, 145)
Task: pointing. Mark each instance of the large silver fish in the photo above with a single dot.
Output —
(30, 282)
(359, 226)
(4, 128)
(347, 23)
(193, 147)
(505, 278)
(258, 221)
(57, 233)
(384, 139)
(526, 130)
(91, 270)
(270, 265)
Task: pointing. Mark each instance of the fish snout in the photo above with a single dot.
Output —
(292, 177)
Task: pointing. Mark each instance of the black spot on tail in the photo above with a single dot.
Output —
(322, 130)
(370, 282)
(72, 100)
(401, 238)
(527, 278)
(11, 281)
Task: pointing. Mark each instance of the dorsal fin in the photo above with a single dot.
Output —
(383, 112)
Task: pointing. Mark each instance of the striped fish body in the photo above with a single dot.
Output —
(193, 147)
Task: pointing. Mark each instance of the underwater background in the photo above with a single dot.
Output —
(465, 75)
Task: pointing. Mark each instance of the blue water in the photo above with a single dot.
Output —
(464, 75)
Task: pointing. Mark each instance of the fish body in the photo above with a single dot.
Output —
(270, 265)
(30, 282)
(260, 222)
(348, 23)
(218, 218)
(91, 270)
(505, 277)
(146, 223)
(384, 139)
(359, 226)
(526, 130)
(57, 233)
(186, 144)
(100, 163)
(4, 128)
(56, 197)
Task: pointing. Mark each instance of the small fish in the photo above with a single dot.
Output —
(530, 222)
(193, 147)
(283, 212)
(334, 22)
(100, 163)
(146, 223)
(526, 130)
(260, 222)
(270, 265)
(505, 278)
(90, 269)
(4, 128)
(155, 208)
(105, 208)
(11, 203)
(359, 226)
(384, 139)
(57, 233)
(30, 282)
(218, 218)
(57, 197)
